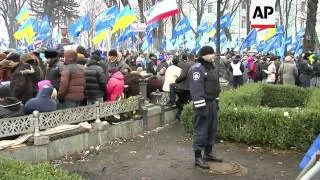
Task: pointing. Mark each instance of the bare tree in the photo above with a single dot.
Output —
(93, 8)
(309, 40)
(9, 9)
(59, 12)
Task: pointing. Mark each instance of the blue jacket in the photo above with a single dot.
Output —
(42, 103)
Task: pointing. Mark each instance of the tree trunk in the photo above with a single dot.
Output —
(160, 34)
(310, 34)
(198, 13)
(174, 22)
(248, 16)
(278, 4)
(140, 4)
(295, 20)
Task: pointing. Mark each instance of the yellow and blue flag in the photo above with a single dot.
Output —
(107, 18)
(125, 18)
(25, 30)
(23, 15)
(100, 36)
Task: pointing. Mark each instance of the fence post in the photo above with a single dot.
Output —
(36, 123)
(98, 120)
(143, 89)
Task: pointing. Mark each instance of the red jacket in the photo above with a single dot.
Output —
(115, 86)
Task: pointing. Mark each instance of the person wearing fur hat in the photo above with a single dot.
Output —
(54, 67)
(205, 90)
(5, 71)
(37, 75)
(21, 82)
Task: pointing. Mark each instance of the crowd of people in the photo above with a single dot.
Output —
(303, 71)
(72, 78)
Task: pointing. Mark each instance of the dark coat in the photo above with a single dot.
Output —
(153, 84)
(36, 77)
(132, 81)
(54, 72)
(120, 65)
(183, 81)
(163, 64)
(95, 80)
(42, 103)
(316, 69)
(11, 107)
(21, 85)
(152, 67)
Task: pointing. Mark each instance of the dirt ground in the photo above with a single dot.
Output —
(168, 154)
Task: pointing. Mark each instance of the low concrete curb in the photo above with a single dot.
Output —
(46, 150)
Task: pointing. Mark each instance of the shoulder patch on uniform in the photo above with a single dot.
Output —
(196, 76)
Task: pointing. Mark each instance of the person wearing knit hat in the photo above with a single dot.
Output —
(205, 90)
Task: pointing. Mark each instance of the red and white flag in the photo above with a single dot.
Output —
(161, 10)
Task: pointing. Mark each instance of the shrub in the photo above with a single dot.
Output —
(21, 170)
(251, 115)
(283, 96)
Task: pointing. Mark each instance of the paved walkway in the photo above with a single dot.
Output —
(167, 154)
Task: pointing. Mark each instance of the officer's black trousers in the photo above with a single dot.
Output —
(205, 125)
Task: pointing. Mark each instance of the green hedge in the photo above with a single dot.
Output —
(21, 170)
(251, 115)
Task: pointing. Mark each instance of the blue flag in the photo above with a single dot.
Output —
(128, 33)
(261, 46)
(163, 43)
(151, 27)
(249, 40)
(107, 18)
(300, 33)
(181, 28)
(289, 40)
(83, 24)
(298, 48)
(273, 43)
(225, 21)
(283, 48)
(44, 29)
(196, 48)
(202, 28)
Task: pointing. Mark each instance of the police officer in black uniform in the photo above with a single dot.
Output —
(205, 90)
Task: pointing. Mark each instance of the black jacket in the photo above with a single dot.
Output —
(21, 86)
(11, 107)
(132, 81)
(152, 67)
(316, 69)
(54, 72)
(204, 83)
(95, 80)
(182, 82)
